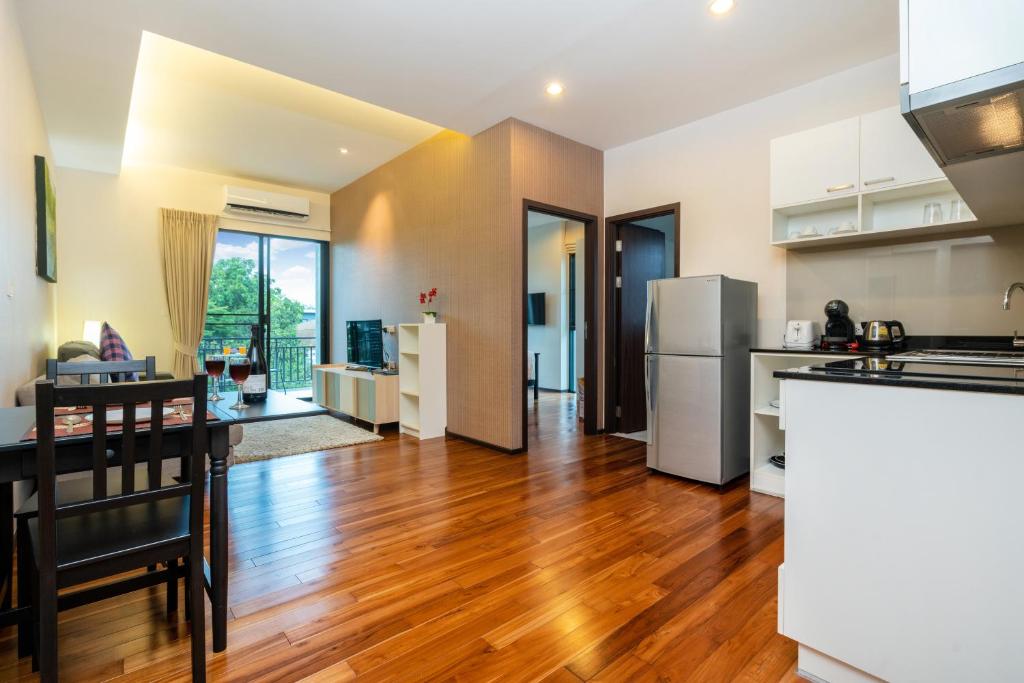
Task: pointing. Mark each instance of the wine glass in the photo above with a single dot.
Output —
(215, 369)
(239, 371)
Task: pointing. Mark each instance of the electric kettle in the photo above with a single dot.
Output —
(882, 334)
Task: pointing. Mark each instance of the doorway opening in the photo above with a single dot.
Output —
(278, 284)
(640, 246)
(559, 307)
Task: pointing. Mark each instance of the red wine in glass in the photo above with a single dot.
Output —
(215, 368)
(239, 371)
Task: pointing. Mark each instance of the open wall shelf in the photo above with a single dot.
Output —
(878, 214)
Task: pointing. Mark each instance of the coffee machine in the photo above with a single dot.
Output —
(840, 332)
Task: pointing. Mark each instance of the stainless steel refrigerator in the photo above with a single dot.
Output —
(699, 331)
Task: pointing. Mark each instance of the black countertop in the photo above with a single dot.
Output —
(955, 377)
(956, 343)
(859, 353)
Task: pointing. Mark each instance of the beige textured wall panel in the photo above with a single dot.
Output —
(448, 214)
(555, 170)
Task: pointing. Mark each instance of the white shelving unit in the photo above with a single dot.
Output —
(878, 214)
(860, 179)
(767, 436)
(423, 387)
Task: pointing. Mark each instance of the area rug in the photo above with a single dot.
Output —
(265, 440)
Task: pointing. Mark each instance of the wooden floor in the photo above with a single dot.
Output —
(405, 561)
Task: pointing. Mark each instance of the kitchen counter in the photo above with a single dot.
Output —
(902, 486)
(859, 353)
(961, 343)
(952, 377)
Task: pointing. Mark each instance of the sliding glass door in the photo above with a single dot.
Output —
(276, 283)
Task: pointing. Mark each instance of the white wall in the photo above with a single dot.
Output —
(547, 271)
(544, 274)
(109, 250)
(717, 168)
(27, 303)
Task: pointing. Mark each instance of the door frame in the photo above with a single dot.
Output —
(591, 309)
(611, 313)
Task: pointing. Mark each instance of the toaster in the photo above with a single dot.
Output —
(801, 334)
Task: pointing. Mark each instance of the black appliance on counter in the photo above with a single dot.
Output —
(840, 332)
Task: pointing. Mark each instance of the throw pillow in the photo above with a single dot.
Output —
(73, 349)
(112, 347)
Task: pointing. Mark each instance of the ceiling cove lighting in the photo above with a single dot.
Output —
(720, 7)
(343, 150)
(554, 88)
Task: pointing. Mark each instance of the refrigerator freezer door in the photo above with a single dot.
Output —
(684, 316)
(684, 418)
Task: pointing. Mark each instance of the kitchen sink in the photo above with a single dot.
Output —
(1008, 358)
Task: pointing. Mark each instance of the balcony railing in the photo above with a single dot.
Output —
(291, 359)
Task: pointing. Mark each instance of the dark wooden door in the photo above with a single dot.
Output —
(642, 258)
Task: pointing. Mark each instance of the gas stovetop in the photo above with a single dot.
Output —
(1009, 358)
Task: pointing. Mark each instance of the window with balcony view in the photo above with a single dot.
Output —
(273, 282)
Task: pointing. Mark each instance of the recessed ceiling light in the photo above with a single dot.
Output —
(343, 150)
(554, 88)
(721, 6)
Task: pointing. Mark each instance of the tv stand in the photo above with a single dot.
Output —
(362, 394)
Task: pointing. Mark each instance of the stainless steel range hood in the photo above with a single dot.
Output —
(974, 129)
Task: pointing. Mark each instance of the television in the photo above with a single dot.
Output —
(535, 309)
(366, 343)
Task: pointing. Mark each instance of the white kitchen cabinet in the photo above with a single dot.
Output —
(889, 180)
(891, 154)
(903, 557)
(819, 163)
(943, 41)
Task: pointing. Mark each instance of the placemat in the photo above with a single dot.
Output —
(84, 428)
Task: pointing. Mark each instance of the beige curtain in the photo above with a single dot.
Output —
(188, 241)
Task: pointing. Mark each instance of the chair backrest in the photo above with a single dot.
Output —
(103, 368)
(126, 395)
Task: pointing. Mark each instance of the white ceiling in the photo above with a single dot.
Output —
(631, 68)
(195, 109)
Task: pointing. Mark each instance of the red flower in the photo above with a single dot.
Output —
(433, 292)
(423, 298)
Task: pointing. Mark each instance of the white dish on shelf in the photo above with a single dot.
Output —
(775, 403)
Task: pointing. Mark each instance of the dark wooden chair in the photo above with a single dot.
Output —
(103, 368)
(74, 542)
(74, 490)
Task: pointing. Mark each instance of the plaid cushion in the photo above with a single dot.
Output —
(112, 347)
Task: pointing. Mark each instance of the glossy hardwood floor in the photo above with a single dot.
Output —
(441, 560)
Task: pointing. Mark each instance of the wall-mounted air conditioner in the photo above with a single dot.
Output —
(245, 200)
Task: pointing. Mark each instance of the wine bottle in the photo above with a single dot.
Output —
(255, 388)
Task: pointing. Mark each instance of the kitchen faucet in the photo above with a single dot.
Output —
(1009, 293)
(1018, 342)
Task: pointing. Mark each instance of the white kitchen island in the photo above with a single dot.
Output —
(904, 547)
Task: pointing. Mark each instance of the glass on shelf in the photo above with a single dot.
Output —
(932, 213)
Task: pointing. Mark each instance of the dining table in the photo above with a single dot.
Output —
(73, 454)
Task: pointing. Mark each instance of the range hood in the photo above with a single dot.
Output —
(974, 129)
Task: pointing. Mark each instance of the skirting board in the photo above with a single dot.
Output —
(501, 449)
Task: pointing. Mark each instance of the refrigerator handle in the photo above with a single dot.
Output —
(647, 317)
(650, 389)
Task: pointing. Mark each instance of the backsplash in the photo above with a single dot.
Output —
(950, 285)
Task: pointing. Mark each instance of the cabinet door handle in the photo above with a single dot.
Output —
(875, 181)
(839, 188)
